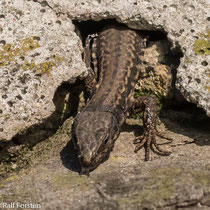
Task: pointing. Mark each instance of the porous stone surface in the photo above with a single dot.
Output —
(46, 176)
(185, 22)
(125, 180)
(38, 52)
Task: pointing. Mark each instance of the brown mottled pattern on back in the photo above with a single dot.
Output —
(118, 53)
(97, 127)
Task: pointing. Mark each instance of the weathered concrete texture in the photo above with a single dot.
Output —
(38, 52)
(187, 25)
(125, 180)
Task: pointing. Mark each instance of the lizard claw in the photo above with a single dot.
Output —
(148, 140)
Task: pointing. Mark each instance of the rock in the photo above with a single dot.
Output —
(38, 52)
(185, 22)
(125, 180)
(156, 76)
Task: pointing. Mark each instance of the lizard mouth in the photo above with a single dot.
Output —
(85, 171)
(88, 165)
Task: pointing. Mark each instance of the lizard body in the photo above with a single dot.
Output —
(95, 129)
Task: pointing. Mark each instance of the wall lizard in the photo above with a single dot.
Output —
(118, 53)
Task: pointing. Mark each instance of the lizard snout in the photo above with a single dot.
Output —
(86, 159)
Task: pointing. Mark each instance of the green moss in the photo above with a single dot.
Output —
(164, 188)
(149, 92)
(21, 193)
(202, 46)
(205, 35)
(8, 161)
(11, 178)
(172, 172)
(160, 185)
(201, 177)
(26, 157)
(69, 180)
(207, 88)
(11, 52)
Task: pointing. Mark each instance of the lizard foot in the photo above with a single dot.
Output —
(148, 139)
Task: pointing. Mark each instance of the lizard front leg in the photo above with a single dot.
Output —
(89, 55)
(148, 104)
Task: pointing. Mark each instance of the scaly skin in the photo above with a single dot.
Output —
(97, 127)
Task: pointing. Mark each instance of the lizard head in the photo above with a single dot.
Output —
(93, 136)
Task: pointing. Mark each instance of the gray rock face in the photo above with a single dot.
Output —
(38, 52)
(187, 26)
(125, 180)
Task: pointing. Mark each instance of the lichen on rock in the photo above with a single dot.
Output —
(155, 76)
(202, 45)
(38, 52)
